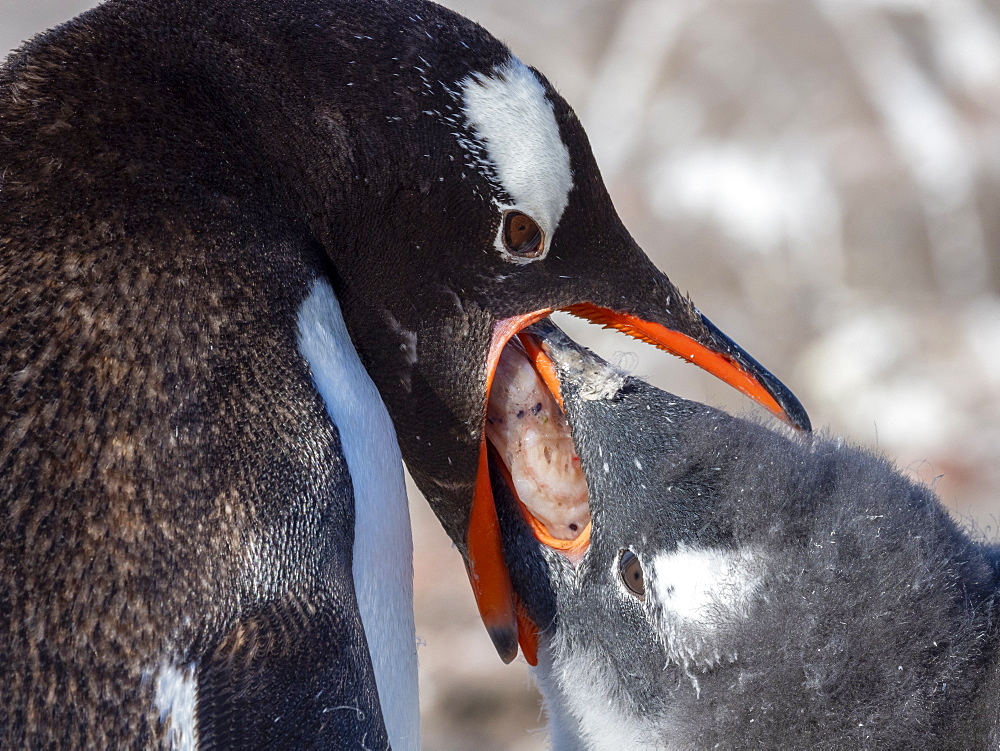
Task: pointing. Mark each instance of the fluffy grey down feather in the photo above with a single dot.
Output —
(849, 611)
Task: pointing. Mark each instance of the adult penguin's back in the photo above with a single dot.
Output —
(179, 550)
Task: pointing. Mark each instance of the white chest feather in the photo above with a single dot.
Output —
(584, 707)
(175, 698)
(383, 546)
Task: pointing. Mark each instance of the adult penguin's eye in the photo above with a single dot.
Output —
(522, 237)
(630, 570)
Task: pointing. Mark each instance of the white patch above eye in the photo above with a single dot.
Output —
(693, 594)
(693, 583)
(515, 130)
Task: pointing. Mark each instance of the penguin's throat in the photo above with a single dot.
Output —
(529, 434)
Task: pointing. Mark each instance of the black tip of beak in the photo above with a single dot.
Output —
(505, 641)
(793, 409)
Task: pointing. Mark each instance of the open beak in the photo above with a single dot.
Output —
(505, 619)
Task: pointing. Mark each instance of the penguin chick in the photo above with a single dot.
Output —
(745, 588)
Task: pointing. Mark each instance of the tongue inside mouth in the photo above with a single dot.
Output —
(530, 435)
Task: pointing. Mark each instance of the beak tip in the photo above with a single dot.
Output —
(504, 638)
(794, 413)
(799, 418)
(791, 409)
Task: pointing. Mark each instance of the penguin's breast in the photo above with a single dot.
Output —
(383, 547)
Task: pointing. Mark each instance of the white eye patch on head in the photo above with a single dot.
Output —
(518, 145)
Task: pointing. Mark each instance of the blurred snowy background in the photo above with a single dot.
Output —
(824, 179)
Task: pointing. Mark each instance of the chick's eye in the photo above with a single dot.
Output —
(522, 236)
(630, 570)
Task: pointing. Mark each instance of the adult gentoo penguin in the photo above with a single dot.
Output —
(235, 239)
(749, 589)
